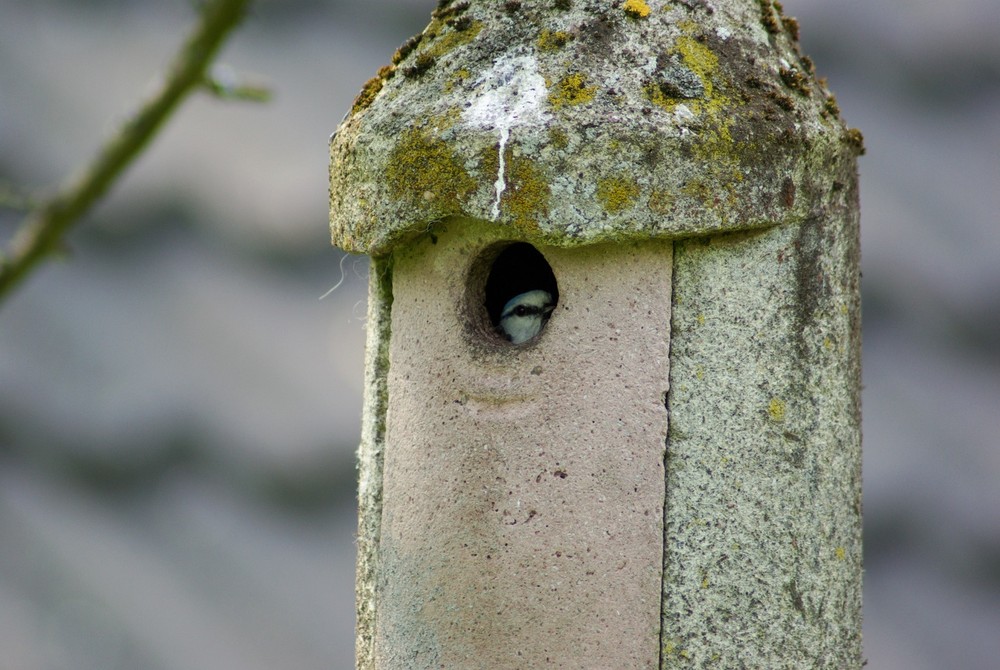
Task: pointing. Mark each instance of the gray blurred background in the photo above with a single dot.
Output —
(179, 409)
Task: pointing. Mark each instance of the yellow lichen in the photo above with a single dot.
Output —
(457, 78)
(424, 170)
(572, 90)
(443, 44)
(553, 40)
(527, 193)
(558, 137)
(714, 145)
(776, 410)
(637, 9)
(841, 554)
(696, 188)
(617, 193)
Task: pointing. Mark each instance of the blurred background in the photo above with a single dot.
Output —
(179, 410)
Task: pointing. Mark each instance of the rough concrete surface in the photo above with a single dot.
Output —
(523, 485)
(763, 549)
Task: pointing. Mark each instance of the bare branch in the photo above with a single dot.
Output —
(223, 83)
(41, 232)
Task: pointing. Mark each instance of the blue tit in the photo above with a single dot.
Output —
(524, 315)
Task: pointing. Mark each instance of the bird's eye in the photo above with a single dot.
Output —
(521, 310)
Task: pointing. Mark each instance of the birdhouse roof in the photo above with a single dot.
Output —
(577, 121)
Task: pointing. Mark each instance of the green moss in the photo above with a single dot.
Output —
(617, 193)
(856, 140)
(372, 87)
(791, 26)
(768, 19)
(424, 170)
(571, 90)
(421, 64)
(447, 9)
(367, 94)
(795, 80)
(406, 48)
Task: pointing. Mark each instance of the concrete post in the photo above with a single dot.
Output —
(667, 475)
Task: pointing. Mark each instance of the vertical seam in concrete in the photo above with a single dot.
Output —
(666, 447)
(371, 455)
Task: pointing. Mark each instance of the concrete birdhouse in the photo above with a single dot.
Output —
(612, 398)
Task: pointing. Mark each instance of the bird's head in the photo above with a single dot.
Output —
(524, 315)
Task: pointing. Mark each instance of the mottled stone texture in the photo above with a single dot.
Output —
(567, 123)
(626, 141)
(763, 512)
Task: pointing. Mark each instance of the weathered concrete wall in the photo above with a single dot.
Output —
(371, 455)
(523, 486)
(763, 545)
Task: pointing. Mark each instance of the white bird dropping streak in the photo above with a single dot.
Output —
(500, 185)
(511, 93)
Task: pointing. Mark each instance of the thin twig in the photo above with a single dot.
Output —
(41, 232)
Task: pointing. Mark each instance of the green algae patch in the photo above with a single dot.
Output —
(424, 171)
(617, 193)
(458, 78)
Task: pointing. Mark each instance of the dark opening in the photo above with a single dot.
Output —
(517, 270)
